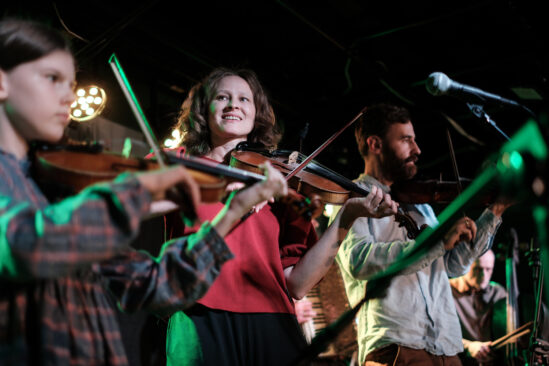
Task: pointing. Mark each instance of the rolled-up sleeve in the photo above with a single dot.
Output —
(363, 256)
(459, 260)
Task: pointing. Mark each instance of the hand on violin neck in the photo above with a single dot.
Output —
(464, 229)
(176, 185)
(273, 186)
(160, 183)
(376, 204)
(501, 204)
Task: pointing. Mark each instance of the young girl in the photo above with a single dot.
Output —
(54, 257)
(247, 317)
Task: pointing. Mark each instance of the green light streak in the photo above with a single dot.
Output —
(183, 343)
(527, 139)
(516, 160)
(127, 149)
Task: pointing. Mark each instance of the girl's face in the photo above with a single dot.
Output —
(232, 111)
(37, 96)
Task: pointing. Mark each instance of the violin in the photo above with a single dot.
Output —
(305, 182)
(65, 170)
(433, 191)
(315, 179)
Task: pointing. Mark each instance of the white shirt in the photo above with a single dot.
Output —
(418, 310)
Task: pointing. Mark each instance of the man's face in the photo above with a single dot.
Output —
(399, 152)
(480, 273)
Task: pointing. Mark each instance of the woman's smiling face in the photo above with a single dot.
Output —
(232, 111)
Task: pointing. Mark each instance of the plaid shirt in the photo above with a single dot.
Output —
(56, 259)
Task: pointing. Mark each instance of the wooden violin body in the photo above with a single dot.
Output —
(330, 186)
(304, 182)
(67, 172)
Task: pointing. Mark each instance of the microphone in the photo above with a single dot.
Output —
(439, 83)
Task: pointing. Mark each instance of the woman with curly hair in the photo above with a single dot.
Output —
(248, 317)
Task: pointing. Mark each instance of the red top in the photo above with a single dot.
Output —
(263, 245)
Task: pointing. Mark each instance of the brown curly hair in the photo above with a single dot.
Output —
(192, 121)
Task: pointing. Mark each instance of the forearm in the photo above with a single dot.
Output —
(312, 267)
(180, 275)
(459, 259)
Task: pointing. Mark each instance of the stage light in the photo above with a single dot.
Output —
(90, 103)
(328, 210)
(174, 141)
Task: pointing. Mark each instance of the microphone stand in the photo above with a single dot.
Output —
(537, 272)
(478, 111)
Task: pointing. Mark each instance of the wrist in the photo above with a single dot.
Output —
(345, 219)
(497, 209)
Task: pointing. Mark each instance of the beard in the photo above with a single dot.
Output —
(395, 168)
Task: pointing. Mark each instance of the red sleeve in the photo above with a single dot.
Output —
(297, 234)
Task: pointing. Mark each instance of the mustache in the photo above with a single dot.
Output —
(413, 158)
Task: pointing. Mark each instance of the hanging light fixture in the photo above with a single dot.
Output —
(90, 102)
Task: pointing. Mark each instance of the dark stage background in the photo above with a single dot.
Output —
(321, 63)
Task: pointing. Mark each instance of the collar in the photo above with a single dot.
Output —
(24, 164)
(368, 181)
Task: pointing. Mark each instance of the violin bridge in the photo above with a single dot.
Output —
(292, 158)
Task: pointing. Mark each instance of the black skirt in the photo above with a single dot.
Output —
(241, 339)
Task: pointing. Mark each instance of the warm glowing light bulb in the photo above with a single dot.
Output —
(328, 210)
(90, 103)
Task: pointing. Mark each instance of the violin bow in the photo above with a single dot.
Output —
(402, 217)
(136, 109)
(189, 214)
(454, 161)
(308, 159)
(455, 167)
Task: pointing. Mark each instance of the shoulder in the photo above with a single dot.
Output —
(498, 291)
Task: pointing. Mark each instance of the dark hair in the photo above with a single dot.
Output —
(24, 41)
(376, 121)
(193, 116)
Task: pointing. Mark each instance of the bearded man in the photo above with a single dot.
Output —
(415, 323)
